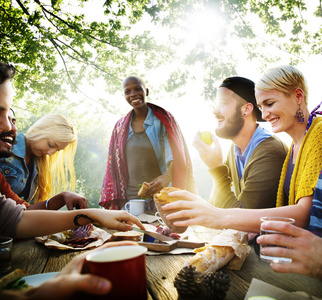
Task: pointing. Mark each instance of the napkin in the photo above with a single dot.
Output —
(260, 288)
(102, 237)
(147, 218)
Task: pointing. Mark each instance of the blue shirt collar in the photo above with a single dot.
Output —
(19, 148)
(259, 135)
(148, 120)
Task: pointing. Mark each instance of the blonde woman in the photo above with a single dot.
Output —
(42, 161)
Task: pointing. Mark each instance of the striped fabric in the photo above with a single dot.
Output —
(315, 225)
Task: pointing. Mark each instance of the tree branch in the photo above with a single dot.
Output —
(24, 9)
(68, 75)
(84, 58)
(77, 30)
(268, 42)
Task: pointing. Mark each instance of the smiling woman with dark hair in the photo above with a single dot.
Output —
(146, 146)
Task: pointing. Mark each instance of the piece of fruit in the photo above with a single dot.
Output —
(206, 137)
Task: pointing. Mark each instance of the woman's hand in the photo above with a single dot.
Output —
(114, 219)
(161, 181)
(303, 247)
(70, 199)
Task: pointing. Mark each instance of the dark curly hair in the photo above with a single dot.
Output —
(6, 72)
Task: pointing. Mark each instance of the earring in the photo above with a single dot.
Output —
(299, 115)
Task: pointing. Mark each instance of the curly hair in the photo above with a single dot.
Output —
(6, 72)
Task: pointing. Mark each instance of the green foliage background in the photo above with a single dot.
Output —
(58, 50)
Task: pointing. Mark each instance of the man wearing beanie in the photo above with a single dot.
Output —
(255, 159)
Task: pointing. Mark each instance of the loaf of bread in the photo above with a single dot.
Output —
(161, 198)
(210, 258)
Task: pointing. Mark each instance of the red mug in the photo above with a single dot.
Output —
(125, 267)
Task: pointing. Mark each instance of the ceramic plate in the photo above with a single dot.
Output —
(38, 279)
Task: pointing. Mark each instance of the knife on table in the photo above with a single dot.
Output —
(154, 237)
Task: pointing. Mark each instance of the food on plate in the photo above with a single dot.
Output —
(161, 198)
(142, 191)
(61, 237)
(82, 231)
(126, 236)
(164, 230)
(13, 280)
(210, 258)
(76, 238)
(80, 243)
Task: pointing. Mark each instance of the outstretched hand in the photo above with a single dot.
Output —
(116, 219)
(193, 209)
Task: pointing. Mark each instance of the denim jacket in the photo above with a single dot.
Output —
(15, 169)
(157, 135)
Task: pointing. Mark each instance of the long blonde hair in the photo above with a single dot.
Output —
(56, 172)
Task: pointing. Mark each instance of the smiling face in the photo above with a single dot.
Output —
(277, 108)
(228, 114)
(46, 147)
(8, 138)
(135, 92)
(7, 128)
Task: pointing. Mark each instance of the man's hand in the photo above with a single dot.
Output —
(211, 156)
(193, 208)
(70, 280)
(302, 246)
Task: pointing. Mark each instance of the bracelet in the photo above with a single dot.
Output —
(81, 216)
(47, 203)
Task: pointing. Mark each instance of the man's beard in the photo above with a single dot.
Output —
(232, 127)
(6, 151)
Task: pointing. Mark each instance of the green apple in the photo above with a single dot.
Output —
(206, 137)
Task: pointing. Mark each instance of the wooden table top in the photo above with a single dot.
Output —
(35, 258)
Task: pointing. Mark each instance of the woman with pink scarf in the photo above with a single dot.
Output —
(146, 146)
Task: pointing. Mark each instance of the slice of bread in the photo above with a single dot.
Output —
(126, 236)
(143, 189)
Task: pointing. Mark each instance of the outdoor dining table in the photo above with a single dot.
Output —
(36, 258)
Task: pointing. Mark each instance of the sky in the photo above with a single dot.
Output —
(204, 25)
